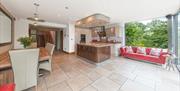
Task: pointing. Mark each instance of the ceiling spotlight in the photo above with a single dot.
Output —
(36, 4)
(35, 23)
(66, 7)
(79, 22)
(36, 18)
(89, 19)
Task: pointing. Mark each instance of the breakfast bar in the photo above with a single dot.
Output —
(94, 52)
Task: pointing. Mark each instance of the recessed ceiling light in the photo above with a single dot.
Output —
(36, 18)
(35, 24)
(79, 22)
(89, 19)
(66, 7)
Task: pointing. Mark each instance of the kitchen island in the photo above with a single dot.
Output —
(94, 52)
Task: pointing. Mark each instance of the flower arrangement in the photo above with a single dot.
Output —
(25, 41)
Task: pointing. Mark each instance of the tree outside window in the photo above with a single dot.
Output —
(151, 33)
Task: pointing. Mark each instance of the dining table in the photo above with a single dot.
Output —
(5, 62)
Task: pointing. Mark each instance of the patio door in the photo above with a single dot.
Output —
(178, 40)
(174, 36)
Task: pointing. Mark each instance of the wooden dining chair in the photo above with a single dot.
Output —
(47, 65)
(25, 68)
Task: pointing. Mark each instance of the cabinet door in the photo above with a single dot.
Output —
(110, 32)
(94, 33)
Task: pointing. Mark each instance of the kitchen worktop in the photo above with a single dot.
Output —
(96, 44)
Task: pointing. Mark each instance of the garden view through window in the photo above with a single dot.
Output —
(148, 33)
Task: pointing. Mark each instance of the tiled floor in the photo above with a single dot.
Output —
(71, 73)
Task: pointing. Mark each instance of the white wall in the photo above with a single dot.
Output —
(122, 29)
(21, 29)
(69, 39)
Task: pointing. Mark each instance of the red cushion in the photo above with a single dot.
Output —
(148, 50)
(122, 51)
(8, 87)
(134, 49)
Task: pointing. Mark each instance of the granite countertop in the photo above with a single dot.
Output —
(96, 44)
(107, 42)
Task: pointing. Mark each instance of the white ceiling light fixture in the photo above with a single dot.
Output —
(36, 18)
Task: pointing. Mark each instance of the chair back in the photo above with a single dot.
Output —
(25, 67)
(50, 48)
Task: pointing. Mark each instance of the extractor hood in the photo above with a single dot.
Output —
(93, 21)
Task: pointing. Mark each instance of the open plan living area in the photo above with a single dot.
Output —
(89, 45)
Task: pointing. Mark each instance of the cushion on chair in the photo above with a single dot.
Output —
(8, 87)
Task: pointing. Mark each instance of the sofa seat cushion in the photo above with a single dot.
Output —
(143, 57)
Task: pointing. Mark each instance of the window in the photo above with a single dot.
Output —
(33, 35)
(149, 33)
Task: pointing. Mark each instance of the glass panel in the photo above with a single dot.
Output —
(147, 33)
(33, 31)
(33, 38)
(178, 39)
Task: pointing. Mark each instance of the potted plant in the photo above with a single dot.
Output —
(25, 41)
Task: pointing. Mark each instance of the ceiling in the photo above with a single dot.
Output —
(118, 10)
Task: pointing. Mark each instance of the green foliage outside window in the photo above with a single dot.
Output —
(152, 34)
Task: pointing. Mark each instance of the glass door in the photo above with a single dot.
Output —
(177, 24)
(178, 39)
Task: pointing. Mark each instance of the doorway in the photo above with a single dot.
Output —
(43, 34)
(59, 40)
(61, 48)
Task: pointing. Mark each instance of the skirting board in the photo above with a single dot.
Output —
(69, 52)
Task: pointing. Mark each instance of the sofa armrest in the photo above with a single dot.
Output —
(163, 58)
(122, 51)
